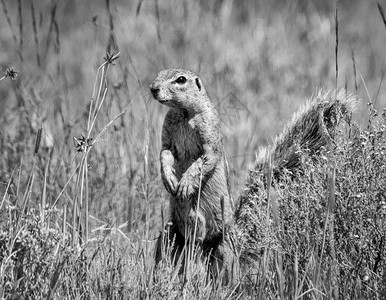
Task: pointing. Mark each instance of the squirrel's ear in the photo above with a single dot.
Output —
(198, 83)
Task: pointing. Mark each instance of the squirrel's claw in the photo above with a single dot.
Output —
(185, 189)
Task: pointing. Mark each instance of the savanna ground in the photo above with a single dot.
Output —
(79, 217)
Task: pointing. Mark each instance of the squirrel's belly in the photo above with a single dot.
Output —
(187, 147)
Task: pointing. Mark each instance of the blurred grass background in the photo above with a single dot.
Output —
(259, 61)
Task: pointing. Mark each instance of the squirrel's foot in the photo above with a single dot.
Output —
(186, 187)
(170, 180)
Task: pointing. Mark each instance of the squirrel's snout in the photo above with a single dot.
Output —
(154, 90)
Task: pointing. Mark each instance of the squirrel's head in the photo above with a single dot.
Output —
(178, 89)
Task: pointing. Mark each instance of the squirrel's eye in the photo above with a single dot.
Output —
(181, 80)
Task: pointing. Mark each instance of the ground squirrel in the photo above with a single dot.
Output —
(192, 144)
(193, 166)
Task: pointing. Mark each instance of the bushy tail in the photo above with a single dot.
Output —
(311, 129)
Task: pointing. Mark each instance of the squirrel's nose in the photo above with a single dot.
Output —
(154, 90)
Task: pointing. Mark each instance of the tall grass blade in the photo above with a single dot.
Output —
(382, 13)
(20, 15)
(44, 193)
(36, 39)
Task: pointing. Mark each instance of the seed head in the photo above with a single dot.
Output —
(10, 72)
(81, 143)
(110, 58)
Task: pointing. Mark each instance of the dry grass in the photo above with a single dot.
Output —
(79, 217)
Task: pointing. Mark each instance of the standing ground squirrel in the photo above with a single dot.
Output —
(193, 166)
(192, 160)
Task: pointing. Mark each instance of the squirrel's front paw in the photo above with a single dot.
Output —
(170, 181)
(186, 187)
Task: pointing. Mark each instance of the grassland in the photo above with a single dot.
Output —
(79, 217)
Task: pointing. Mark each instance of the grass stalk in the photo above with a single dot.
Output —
(146, 189)
(382, 13)
(7, 189)
(81, 201)
(336, 43)
(36, 39)
(66, 184)
(197, 212)
(44, 193)
(20, 16)
(7, 16)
